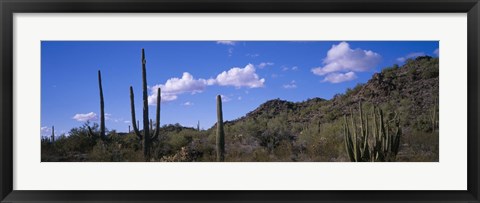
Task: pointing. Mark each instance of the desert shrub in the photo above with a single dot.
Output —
(260, 154)
(430, 72)
(284, 151)
(419, 146)
(389, 72)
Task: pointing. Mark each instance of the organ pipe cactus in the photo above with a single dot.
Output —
(433, 116)
(102, 112)
(384, 143)
(220, 133)
(147, 135)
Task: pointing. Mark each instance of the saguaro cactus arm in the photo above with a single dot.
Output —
(132, 110)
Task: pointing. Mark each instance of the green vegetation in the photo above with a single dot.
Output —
(278, 131)
(384, 144)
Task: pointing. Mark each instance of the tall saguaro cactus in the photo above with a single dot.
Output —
(102, 112)
(385, 145)
(220, 133)
(53, 134)
(147, 136)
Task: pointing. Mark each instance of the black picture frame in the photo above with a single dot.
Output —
(10, 7)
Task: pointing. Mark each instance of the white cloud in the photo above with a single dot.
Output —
(85, 117)
(239, 98)
(188, 103)
(436, 52)
(340, 77)
(252, 55)
(45, 129)
(126, 122)
(265, 64)
(291, 85)
(229, 43)
(239, 77)
(176, 86)
(108, 116)
(341, 58)
(230, 51)
(285, 68)
(410, 55)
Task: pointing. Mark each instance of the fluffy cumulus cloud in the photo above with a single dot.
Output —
(176, 86)
(239, 77)
(229, 43)
(342, 62)
(340, 77)
(410, 55)
(342, 58)
(436, 52)
(85, 117)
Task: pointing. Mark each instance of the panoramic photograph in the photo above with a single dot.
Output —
(239, 101)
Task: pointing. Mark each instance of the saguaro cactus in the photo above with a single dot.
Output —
(147, 136)
(220, 133)
(102, 112)
(385, 145)
(53, 134)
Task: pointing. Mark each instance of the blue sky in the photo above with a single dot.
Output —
(192, 73)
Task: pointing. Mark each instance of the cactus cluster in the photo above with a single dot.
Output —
(102, 112)
(384, 144)
(149, 134)
(220, 133)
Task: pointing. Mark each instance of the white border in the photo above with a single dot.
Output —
(448, 174)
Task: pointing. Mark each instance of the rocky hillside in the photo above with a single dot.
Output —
(411, 89)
